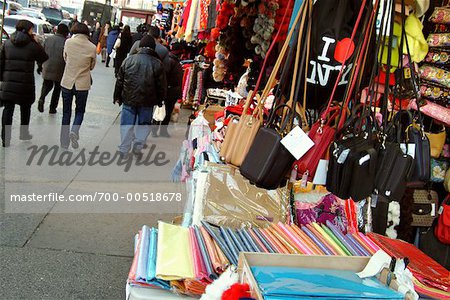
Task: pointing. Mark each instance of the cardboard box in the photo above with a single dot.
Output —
(247, 260)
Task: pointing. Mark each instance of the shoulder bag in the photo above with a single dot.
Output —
(268, 161)
(442, 229)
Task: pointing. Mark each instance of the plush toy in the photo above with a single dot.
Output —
(237, 292)
(215, 290)
(264, 26)
(393, 219)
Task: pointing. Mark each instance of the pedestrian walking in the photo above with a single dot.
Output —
(80, 57)
(103, 39)
(95, 38)
(160, 49)
(174, 88)
(110, 41)
(53, 68)
(122, 46)
(139, 34)
(17, 64)
(141, 84)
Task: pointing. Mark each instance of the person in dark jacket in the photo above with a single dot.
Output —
(53, 68)
(141, 84)
(95, 38)
(174, 88)
(110, 41)
(17, 63)
(123, 46)
(139, 33)
(160, 49)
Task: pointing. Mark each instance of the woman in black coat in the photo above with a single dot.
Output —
(17, 64)
(124, 43)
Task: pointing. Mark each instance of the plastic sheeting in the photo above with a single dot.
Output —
(300, 283)
(231, 200)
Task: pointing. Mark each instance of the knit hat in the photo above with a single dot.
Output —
(147, 42)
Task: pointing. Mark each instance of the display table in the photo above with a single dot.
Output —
(139, 293)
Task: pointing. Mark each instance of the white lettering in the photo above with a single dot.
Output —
(328, 41)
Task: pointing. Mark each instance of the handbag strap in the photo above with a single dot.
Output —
(272, 77)
(274, 42)
(359, 63)
(341, 72)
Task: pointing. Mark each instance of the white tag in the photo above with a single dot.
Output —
(320, 177)
(441, 210)
(364, 159)
(433, 209)
(411, 151)
(297, 142)
(343, 157)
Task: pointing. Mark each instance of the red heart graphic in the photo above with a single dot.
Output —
(341, 50)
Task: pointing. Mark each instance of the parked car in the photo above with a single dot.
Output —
(42, 29)
(32, 13)
(53, 15)
(11, 8)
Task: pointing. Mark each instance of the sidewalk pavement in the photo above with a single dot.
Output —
(69, 256)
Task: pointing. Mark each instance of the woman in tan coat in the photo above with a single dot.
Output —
(102, 39)
(80, 57)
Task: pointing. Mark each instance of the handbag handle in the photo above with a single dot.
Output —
(341, 72)
(271, 81)
(274, 42)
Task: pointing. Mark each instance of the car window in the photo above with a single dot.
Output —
(10, 22)
(14, 6)
(35, 29)
(52, 13)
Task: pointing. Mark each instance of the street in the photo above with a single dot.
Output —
(52, 255)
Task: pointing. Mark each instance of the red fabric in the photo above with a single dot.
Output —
(442, 229)
(424, 268)
(236, 292)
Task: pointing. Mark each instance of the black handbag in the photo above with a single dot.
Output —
(352, 166)
(268, 161)
(394, 170)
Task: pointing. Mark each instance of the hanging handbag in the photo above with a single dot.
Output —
(249, 124)
(322, 132)
(437, 140)
(424, 209)
(353, 156)
(268, 161)
(422, 157)
(442, 229)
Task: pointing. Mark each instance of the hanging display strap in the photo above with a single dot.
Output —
(272, 79)
(274, 43)
(341, 72)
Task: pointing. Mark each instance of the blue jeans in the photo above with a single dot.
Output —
(80, 108)
(135, 125)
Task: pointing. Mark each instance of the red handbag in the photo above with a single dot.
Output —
(322, 135)
(442, 229)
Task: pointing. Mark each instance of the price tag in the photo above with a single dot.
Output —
(297, 142)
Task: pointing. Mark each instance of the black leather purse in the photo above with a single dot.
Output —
(353, 161)
(268, 161)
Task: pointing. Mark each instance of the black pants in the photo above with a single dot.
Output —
(7, 119)
(47, 86)
(118, 63)
(108, 59)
